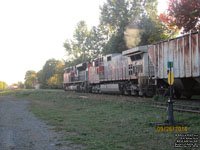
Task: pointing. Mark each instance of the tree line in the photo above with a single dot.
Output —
(50, 76)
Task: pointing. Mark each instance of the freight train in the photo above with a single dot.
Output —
(142, 71)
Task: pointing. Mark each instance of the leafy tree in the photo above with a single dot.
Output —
(30, 79)
(131, 23)
(114, 18)
(48, 70)
(83, 46)
(154, 30)
(182, 14)
(3, 85)
(95, 42)
(40, 77)
(51, 76)
(20, 85)
(123, 24)
(56, 81)
(77, 48)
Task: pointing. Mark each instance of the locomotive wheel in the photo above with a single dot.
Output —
(148, 94)
(178, 95)
(149, 91)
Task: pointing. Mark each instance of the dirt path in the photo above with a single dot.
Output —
(20, 130)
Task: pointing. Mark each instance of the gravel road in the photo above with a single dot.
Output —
(21, 130)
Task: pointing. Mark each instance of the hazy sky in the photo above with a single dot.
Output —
(33, 31)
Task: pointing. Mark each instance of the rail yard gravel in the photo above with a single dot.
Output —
(20, 130)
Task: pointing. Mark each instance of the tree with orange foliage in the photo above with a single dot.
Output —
(182, 14)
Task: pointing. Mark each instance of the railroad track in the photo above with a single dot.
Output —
(178, 107)
(181, 105)
(193, 100)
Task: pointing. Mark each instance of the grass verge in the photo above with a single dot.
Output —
(106, 122)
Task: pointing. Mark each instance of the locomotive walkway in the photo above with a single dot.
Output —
(20, 130)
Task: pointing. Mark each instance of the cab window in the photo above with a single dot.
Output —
(136, 57)
(109, 58)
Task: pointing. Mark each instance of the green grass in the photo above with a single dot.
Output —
(104, 122)
(159, 98)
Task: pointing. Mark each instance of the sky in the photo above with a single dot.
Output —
(33, 31)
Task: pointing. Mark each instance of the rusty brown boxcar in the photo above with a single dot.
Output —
(184, 52)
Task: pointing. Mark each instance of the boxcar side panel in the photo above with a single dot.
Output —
(195, 55)
(181, 55)
(176, 68)
(171, 52)
(184, 52)
(165, 58)
(199, 51)
(188, 71)
(161, 60)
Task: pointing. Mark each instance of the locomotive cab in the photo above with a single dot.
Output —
(76, 77)
(140, 71)
(137, 61)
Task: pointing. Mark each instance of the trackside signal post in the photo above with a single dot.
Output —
(170, 119)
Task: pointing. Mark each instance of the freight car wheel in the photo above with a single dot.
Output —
(188, 95)
(178, 94)
(65, 88)
(161, 91)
